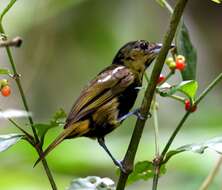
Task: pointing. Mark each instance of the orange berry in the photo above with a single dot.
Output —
(6, 91)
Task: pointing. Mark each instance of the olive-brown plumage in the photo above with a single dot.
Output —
(106, 101)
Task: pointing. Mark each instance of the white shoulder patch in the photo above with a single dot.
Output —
(117, 69)
(107, 77)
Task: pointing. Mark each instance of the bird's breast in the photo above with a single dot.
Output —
(127, 99)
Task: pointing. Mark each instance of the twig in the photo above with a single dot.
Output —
(209, 179)
(178, 98)
(128, 160)
(209, 88)
(15, 42)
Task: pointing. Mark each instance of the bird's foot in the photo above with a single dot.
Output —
(119, 164)
(139, 115)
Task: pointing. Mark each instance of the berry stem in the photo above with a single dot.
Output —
(167, 77)
(179, 98)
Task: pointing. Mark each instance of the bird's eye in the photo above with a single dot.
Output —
(143, 46)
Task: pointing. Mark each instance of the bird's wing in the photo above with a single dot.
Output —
(104, 87)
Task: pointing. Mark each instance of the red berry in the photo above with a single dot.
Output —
(6, 91)
(188, 106)
(180, 64)
(161, 78)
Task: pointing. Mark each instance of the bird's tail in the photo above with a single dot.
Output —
(73, 130)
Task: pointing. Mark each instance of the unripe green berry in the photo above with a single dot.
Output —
(169, 60)
(171, 63)
(3, 82)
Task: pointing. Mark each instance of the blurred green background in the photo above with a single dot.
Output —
(68, 42)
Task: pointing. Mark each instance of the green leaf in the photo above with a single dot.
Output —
(213, 144)
(56, 121)
(42, 129)
(58, 117)
(92, 183)
(6, 141)
(185, 48)
(189, 88)
(143, 170)
(217, 1)
(4, 72)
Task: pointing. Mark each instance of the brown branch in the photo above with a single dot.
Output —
(15, 42)
(128, 160)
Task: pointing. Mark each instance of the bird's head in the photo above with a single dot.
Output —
(137, 55)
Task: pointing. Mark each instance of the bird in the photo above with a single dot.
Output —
(108, 98)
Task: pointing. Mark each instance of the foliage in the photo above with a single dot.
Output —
(144, 170)
(56, 121)
(213, 144)
(185, 48)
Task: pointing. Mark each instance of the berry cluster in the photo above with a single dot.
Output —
(179, 63)
(5, 88)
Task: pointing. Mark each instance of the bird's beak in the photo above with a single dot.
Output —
(153, 51)
(155, 48)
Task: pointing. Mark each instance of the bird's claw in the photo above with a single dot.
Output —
(142, 117)
(119, 164)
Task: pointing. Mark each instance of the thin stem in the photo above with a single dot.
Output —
(22, 130)
(167, 77)
(179, 98)
(174, 134)
(156, 177)
(128, 160)
(156, 126)
(211, 175)
(209, 88)
(18, 82)
(12, 2)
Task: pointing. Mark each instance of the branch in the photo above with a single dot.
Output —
(15, 42)
(128, 160)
